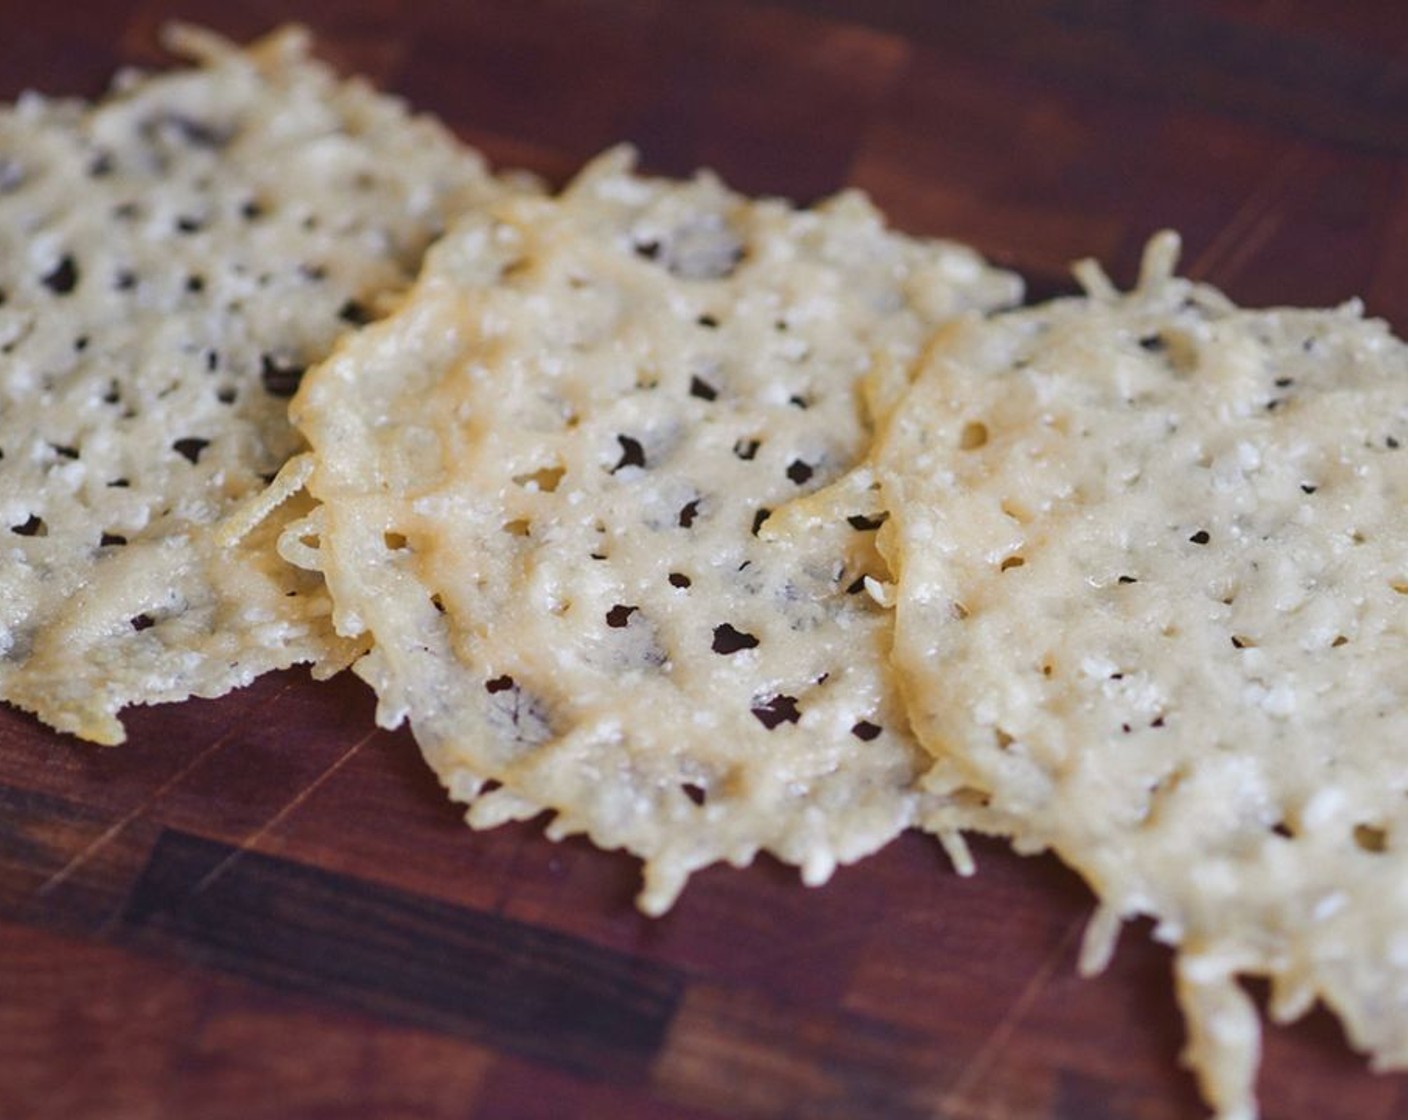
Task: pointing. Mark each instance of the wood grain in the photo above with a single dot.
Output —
(262, 906)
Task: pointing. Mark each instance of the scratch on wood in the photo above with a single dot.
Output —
(976, 1071)
(1252, 224)
(252, 840)
(108, 835)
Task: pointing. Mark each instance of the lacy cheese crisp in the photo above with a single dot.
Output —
(545, 485)
(171, 259)
(1151, 593)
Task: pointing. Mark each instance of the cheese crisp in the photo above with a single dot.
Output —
(545, 482)
(170, 261)
(1151, 593)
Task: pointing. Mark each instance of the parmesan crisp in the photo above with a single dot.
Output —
(545, 484)
(1151, 593)
(171, 259)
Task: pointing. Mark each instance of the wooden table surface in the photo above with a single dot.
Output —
(260, 906)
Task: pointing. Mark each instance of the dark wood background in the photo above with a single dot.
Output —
(261, 907)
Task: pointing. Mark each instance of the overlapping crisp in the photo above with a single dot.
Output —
(1151, 593)
(170, 261)
(591, 496)
(543, 482)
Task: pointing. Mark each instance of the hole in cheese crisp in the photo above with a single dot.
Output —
(729, 640)
(632, 453)
(64, 277)
(799, 472)
(190, 448)
(777, 710)
(620, 615)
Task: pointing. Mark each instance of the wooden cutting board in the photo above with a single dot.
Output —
(261, 906)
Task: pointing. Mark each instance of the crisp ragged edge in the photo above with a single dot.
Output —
(343, 650)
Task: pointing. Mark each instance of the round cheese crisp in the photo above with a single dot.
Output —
(546, 483)
(1151, 594)
(171, 260)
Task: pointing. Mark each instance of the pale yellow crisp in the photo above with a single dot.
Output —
(545, 483)
(171, 259)
(1151, 593)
